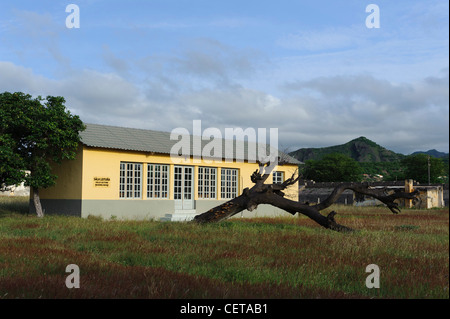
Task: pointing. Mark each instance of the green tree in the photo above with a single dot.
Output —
(391, 171)
(35, 133)
(12, 165)
(12, 168)
(416, 167)
(445, 161)
(333, 168)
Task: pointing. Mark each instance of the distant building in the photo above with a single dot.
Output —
(429, 196)
(15, 190)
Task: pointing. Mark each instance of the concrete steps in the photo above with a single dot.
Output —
(180, 216)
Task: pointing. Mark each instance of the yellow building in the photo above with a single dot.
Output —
(130, 173)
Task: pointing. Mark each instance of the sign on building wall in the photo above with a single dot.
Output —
(102, 182)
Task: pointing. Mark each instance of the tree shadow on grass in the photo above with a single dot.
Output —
(14, 205)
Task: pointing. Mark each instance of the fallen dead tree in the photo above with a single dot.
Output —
(272, 194)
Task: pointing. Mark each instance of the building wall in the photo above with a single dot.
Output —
(65, 196)
(134, 209)
(69, 182)
(148, 210)
(431, 198)
(68, 207)
(106, 163)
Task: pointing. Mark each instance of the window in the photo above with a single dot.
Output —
(229, 183)
(177, 183)
(157, 181)
(207, 182)
(183, 184)
(278, 177)
(130, 180)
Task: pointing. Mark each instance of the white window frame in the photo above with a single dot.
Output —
(130, 180)
(158, 181)
(207, 183)
(229, 183)
(277, 177)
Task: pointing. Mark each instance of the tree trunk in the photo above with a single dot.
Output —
(37, 203)
(272, 194)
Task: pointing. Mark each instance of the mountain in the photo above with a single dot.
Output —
(432, 153)
(360, 149)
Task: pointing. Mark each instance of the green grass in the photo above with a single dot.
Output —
(239, 258)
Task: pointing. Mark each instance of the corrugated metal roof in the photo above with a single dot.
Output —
(132, 139)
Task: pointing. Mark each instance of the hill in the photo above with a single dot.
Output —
(433, 153)
(360, 149)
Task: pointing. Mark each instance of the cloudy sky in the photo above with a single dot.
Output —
(311, 68)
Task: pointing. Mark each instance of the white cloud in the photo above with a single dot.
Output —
(320, 112)
(404, 116)
(114, 62)
(210, 61)
(15, 78)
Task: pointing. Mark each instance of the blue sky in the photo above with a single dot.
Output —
(312, 69)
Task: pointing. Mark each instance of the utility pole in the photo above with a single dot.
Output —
(429, 166)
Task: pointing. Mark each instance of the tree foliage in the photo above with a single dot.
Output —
(391, 171)
(35, 133)
(332, 168)
(416, 167)
(11, 164)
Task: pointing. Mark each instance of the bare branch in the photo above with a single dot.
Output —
(364, 189)
(291, 180)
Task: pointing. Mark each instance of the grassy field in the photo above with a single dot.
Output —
(289, 257)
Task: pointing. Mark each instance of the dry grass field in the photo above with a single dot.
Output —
(286, 257)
